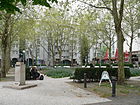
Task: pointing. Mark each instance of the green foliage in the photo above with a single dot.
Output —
(10, 5)
(95, 73)
(84, 49)
(43, 2)
(41, 65)
(59, 73)
(107, 65)
(135, 72)
(126, 64)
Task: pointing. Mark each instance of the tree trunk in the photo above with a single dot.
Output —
(110, 52)
(8, 51)
(5, 45)
(53, 55)
(53, 60)
(117, 14)
(3, 62)
(72, 57)
(121, 75)
(131, 43)
(110, 57)
(5, 57)
(130, 51)
(60, 57)
(36, 56)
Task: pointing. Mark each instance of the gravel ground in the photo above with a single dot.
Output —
(48, 92)
(131, 99)
(137, 78)
(122, 100)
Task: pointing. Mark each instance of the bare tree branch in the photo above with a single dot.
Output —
(97, 6)
(121, 11)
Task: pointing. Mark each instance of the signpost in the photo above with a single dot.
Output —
(105, 76)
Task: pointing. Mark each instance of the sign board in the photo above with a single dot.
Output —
(105, 76)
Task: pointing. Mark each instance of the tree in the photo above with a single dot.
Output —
(73, 41)
(7, 10)
(106, 33)
(116, 8)
(131, 23)
(11, 6)
(86, 35)
(5, 44)
(58, 29)
(84, 49)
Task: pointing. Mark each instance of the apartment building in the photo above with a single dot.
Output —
(41, 53)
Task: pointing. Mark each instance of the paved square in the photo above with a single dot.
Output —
(48, 92)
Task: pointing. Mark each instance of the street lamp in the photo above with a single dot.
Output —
(23, 56)
(28, 57)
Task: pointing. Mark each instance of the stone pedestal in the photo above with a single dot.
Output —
(20, 78)
(20, 73)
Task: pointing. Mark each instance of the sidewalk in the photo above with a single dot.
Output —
(58, 92)
(48, 92)
(135, 78)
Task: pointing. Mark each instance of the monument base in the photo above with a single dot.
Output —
(20, 87)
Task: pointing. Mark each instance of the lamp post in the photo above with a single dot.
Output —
(23, 56)
(28, 59)
(27, 51)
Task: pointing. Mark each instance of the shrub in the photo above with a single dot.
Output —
(95, 73)
(107, 65)
(63, 65)
(40, 65)
(126, 64)
(59, 73)
(102, 65)
(135, 72)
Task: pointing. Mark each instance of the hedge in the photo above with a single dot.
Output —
(108, 65)
(59, 73)
(126, 64)
(94, 74)
(102, 65)
(135, 72)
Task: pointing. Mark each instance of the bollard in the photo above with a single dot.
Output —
(113, 87)
(85, 80)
